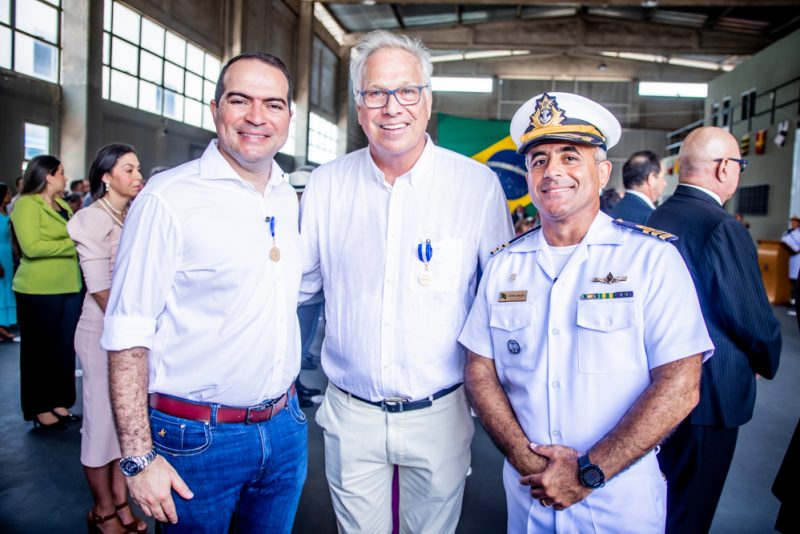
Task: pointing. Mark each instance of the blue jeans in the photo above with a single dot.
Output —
(250, 472)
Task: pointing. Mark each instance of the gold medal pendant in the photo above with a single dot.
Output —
(275, 254)
(425, 279)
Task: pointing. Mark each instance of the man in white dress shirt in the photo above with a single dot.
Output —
(396, 233)
(202, 317)
(586, 339)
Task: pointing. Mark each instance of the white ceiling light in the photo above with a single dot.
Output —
(461, 85)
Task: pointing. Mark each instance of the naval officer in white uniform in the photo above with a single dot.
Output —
(586, 339)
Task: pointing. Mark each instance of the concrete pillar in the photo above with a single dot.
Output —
(232, 45)
(302, 98)
(75, 62)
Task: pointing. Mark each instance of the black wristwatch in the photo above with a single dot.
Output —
(590, 475)
(133, 465)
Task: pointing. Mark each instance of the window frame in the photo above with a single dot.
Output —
(14, 30)
(162, 90)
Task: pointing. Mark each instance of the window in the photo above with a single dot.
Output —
(715, 114)
(726, 113)
(30, 37)
(748, 104)
(289, 148)
(148, 67)
(37, 142)
(323, 136)
(753, 200)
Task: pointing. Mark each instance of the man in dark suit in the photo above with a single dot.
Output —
(644, 183)
(746, 335)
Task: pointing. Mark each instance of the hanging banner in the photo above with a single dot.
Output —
(488, 141)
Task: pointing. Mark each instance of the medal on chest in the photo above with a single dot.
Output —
(425, 253)
(274, 252)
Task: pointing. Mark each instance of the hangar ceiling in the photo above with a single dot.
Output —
(608, 39)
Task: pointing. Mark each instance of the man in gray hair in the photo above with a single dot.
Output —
(396, 233)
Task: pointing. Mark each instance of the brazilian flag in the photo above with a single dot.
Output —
(488, 141)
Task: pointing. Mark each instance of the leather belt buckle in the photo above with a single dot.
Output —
(255, 414)
(392, 405)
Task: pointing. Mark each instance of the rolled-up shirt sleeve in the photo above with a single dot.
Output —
(147, 262)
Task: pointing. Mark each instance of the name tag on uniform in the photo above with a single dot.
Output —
(513, 296)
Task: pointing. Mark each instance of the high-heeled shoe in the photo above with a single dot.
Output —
(133, 525)
(69, 418)
(93, 521)
(58, 425)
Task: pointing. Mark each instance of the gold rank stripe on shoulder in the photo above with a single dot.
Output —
(646, 230)
(515, 240)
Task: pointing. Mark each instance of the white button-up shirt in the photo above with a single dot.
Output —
(573, 361)
(194, 284)
(387, 334)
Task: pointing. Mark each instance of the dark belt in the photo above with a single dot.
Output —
(397, 405)
(201, 411)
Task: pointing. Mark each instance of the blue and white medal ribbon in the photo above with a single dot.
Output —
(425, 253)
(274, 252)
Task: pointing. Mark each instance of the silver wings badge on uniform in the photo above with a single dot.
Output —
(610, 279)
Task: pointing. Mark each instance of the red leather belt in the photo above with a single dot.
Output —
(201, 411)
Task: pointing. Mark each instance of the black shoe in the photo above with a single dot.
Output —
(305, 402)
(38, 425)
(69, 418)
(307, 392)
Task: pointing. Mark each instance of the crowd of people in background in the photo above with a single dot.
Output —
(183, 294)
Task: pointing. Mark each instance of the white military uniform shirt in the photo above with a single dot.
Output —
(194, 284)
(572, 361)
(792, 240)
(386, 334)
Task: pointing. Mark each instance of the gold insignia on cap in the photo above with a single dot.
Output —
(547, 113)
(548, 120)
(610, 279)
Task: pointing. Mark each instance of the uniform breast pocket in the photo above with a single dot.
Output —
(513, 334)
(607, 336)
(444, 270)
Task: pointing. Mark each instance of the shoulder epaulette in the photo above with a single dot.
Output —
(517, 239)
(646, 230)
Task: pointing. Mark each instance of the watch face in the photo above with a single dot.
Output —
(129, 466)
(592, 477)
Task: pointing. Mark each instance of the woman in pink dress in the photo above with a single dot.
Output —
(115, 178)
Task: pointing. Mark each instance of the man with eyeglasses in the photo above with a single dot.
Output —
(396, 233)
(722, 260)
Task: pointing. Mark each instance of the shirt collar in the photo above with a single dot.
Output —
(215, 167)
(602, 232)
(706, 191)
(642, 196)
(414, 174)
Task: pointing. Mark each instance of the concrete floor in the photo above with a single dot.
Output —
(42, 488)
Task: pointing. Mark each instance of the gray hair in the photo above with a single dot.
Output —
(380, 39)
(600, 155)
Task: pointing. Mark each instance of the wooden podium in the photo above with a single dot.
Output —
(773, 260)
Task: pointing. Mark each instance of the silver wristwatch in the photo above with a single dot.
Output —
(133, 465)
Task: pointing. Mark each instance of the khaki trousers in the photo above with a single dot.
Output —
(430, 446)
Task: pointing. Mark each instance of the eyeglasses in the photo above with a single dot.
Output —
(742, 162)
(406, 96)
